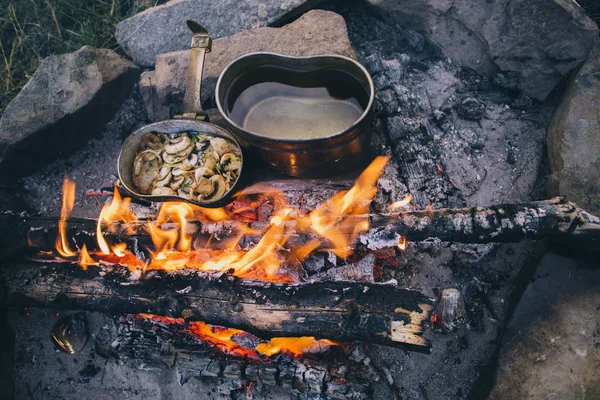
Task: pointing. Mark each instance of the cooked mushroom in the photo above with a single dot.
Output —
(179, 145)
(163, 191)
(231, 162)
(193, 166)
(220, 188)
(203, 187)
(164, 181)
(177, 182)
(221, 146)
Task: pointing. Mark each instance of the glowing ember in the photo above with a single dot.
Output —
(223, 339)
(402, 203)
(295, 346)
(402, 243)
(68, 199)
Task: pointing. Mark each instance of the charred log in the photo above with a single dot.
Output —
(336, 373)
(554, 219)
(340, 311)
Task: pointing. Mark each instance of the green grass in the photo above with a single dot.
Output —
(31, 30)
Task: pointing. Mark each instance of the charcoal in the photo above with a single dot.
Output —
(497, 97)
(373, 64)
(381, 82)
(394, 70)
(507, 80)
(397, 129)
(268, 375)
(471, 108)
(415, 40)
(314, 263)
(403, 95)
(522, 102)
(388, 101)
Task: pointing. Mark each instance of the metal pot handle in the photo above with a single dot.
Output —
(201, 44)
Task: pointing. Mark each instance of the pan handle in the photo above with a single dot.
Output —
(201, 44)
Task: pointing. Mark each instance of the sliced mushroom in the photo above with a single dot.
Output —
(185, 195)
(164, 181)
(204, 187)
(145, 172)
(220, 188)
(179, 146)
(193, 159)
(177, 182)
(164, 171)
(221, 146)
(173, 159)
(178, 137)
(231, 162)
(152, 141)
(200, 146)
(210, 163)
(203, 171)
(163, 191)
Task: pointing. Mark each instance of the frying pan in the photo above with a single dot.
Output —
(193, 119)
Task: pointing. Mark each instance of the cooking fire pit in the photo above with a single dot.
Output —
(395, 280)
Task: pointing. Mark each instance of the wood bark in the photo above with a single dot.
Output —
(340, 311)
(554, 219)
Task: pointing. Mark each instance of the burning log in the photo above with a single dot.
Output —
(335, 372)
(549, 219)
(340, 311)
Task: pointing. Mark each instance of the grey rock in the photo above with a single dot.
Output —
(574, 139)
(154, 109)
(316, 32)
(163, 28)
(541, 40)
(67, 100)
(551, 347)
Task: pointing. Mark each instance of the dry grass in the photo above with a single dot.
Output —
(31, 30)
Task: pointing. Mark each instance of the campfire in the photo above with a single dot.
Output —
(272, 255)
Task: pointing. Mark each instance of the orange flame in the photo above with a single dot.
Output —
(68, 199)
(85, 260)
(343, 217)
(118, 210)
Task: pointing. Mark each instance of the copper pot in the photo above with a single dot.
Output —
(329, 152)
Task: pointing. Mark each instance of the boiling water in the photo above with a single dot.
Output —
(288, 104)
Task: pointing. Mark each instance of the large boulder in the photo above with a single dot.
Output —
(551, 348)
(66, 101)
(574, 139)
(163, 28)
(316, 32)
(542, 40)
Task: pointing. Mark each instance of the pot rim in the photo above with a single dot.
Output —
(262, 138)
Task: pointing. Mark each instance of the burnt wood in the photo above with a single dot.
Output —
(555, 219)
(340, 311)
(340, 372)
